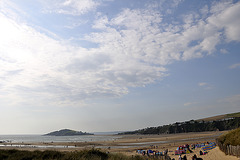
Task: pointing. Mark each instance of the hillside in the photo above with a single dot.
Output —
(220, 117)
(67, 132)
(221, 122)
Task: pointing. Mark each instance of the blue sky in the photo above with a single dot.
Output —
(116, 65)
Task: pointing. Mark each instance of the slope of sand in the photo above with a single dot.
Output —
(214, 154)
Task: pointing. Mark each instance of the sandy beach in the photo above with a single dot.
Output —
(214, 154)
(128, 144)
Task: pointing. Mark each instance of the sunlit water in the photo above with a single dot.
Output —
(40, 138)
(24, 141)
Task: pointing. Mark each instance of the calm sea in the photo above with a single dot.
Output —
(40, 138)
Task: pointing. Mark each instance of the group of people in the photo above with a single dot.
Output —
(188, 149)
(150, 152)
(183, 149)
(192, 147)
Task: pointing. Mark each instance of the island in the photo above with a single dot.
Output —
(67, 132)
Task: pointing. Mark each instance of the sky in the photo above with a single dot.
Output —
(116, 65)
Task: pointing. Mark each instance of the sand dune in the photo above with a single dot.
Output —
(214, 154)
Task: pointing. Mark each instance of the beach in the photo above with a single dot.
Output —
(129, 144)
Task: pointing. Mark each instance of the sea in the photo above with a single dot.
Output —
(47, 139)
(27, 141)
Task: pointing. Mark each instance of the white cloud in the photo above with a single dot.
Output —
(167, 6)
(35, 56)
(219, 6)
(227, 18)
(205, 85)
(55, 73)
(189, 103)
(237, 65)
(224, 51)
(141, 33)
(7, 7)
(134, 47)
(202, 84)
(70, 7)
(204, 11)
(75, 23)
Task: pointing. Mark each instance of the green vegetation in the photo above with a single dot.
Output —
(67, 132)
(233, 115)
(93, 154)
(192, 126)
(230, 138)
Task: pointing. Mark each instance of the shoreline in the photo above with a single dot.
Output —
(119, 143)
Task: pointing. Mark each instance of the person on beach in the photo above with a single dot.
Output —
(184, 157)
(180, 157)
(194, 157)
(166, 152)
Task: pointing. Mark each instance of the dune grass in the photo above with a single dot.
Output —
(93, 154)
(230, 138)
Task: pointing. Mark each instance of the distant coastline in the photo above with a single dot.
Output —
(67, 132)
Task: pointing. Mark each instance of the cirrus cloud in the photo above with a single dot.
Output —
(237, 65)
(70, 7)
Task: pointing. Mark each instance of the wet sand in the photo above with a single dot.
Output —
(128, 144)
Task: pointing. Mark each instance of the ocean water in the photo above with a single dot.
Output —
(40, 138)
(24, 141)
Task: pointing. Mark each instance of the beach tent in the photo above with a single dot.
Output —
(209, 146)
(150, 151)
(181, 151)
(199, 145)
(188, 151)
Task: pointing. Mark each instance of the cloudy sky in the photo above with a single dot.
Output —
(116, 65)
